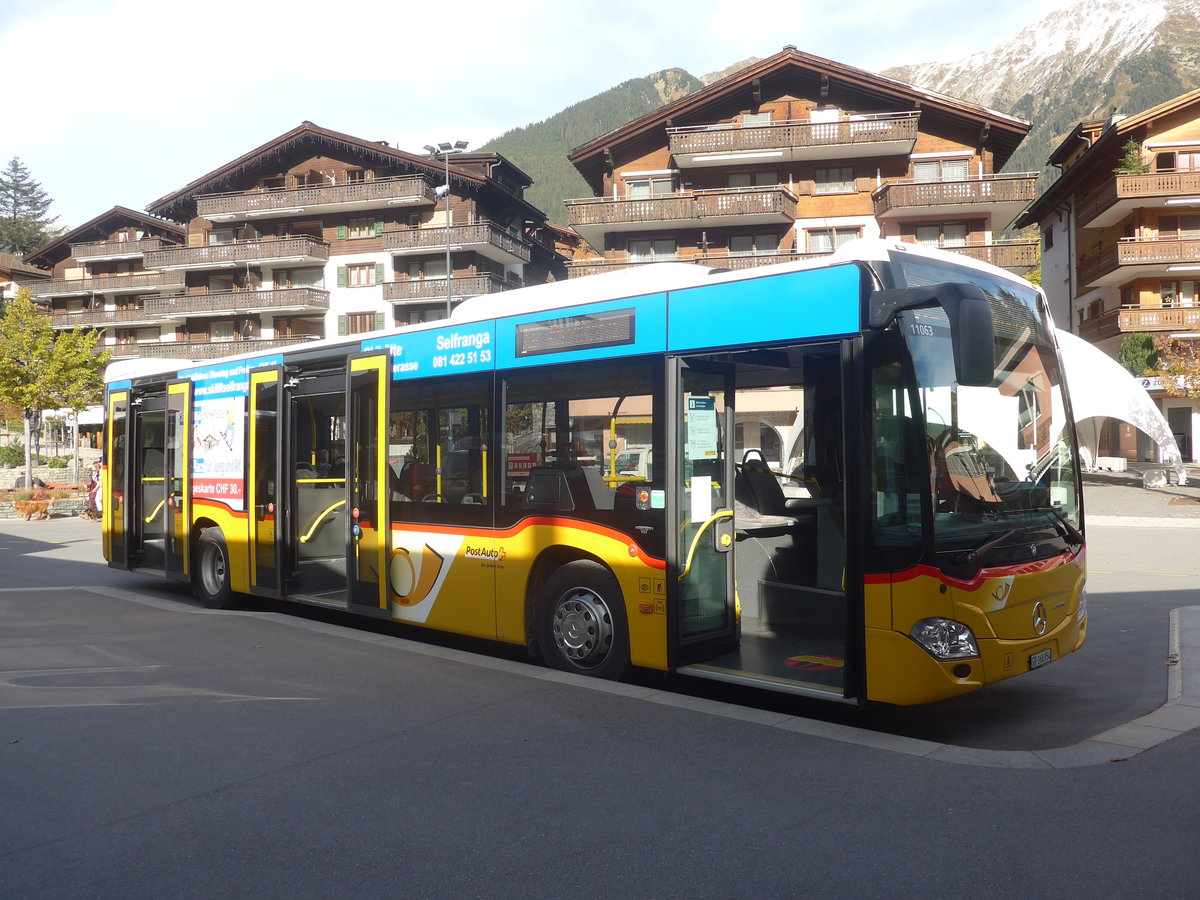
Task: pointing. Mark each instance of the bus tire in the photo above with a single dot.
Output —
(212, 582)
(581, 624)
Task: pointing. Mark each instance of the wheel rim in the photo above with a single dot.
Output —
(582, 627)
(212, 570)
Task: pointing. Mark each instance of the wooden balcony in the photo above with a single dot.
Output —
(1120, 195)
(716, 259)
(1178, 318)
(406, 190)
(1100, 327)
(226, 303)
(888, 134)
(295, 250)
(137, 282)
(1140, 258)
(212, 349)
(1016, 256)
(1002, 197)
(94, 318)
(95, 251)
(594, 217)
(486, 239)
(427, 290)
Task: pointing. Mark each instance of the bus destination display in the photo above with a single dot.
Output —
(613, 328)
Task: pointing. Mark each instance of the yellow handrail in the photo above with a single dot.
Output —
(721, 514)
(150, 518)
(319, 520)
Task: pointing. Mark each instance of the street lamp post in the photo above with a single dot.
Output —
(445, 148)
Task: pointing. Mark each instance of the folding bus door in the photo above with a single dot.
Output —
(264, 509)
(115, 512)
(366, 484)
(177, 478)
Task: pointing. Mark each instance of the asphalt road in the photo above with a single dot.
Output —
(151, 748)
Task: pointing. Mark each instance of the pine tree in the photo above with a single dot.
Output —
(24, 225)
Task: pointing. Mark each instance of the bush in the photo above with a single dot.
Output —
(12, 454)
(58, 462)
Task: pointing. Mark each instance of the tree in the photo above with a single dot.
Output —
(41, 369)
(1138, 354)
(24, 225)
(1131, 160)
(1179, 363)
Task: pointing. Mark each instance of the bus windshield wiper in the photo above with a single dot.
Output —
(972, 555)
(1070, 533)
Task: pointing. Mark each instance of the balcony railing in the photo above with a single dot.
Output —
(1150, 186)
(733, 138)
(483, 236)
(213, 349)
(718, 259)
(116, 249)
(1099, 327)
(775, 202)
(297, 249)
(428, 289)
(108, 284)
(96, 317)
(1185, 318)
(406, 190)
(222, 303)
(981, 191)
(1017, 256)
(1144, 253)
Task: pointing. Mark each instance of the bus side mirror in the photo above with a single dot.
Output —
(971, 329)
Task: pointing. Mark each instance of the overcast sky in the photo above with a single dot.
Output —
(121, 102)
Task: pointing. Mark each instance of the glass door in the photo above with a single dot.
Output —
(116, 463)
(266, 513)
(366, 483)
(178, 477)
(702, 478)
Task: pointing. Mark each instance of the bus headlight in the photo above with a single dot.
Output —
(1082, 611)
(945, 638)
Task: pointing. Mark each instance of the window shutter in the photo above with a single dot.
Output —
(378, 227)
(379, 273)
(379, 326)
(341, 232)
(341, 326)
(341, 276)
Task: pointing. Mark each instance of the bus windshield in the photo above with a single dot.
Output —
(1000, 458)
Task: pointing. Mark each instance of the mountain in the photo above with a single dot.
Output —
(541, 149)
(1075, 64)
(1079, 63)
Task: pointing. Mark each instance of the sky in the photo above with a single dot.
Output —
(116, 102)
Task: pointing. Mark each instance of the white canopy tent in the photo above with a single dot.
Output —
(1101, 388)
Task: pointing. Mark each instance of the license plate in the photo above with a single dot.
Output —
(1041, 658)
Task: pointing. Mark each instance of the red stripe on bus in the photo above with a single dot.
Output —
(1029, 568)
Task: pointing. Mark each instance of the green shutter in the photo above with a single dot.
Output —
(379, 326)
(341, 326)
(341, 232)
(341, 276)
(378, 227)
(379, 276)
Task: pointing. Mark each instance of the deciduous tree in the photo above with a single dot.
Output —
(1179, 363)
(41, 369)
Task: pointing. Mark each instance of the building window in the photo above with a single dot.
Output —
(837, 180)
(360, 275)
(409, 315)
(429, 268)
(221, 331)
(942, 235)
(928, 170)
(652, 250)
(1048, 238)
(645, 188)
(357, 323)
(826, 240)
(749, 120)
(1184, 228)
(751, 179)
(1177, 161)
(361, 228)
(356, 176)
(749, 244)
(1177, 293)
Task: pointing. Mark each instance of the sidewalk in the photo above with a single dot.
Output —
(1120, 495)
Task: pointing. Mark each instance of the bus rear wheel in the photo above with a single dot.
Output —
(581, 621)
(212, 582)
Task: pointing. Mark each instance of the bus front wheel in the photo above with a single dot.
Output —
(212, 580)
(581, 621)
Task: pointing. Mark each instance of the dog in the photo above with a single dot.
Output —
(33, 509)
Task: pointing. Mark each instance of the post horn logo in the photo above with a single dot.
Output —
(413, 579)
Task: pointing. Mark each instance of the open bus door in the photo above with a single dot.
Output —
(700, 583)
(367, 480)
(114, 514)
(147, 460)
(177, 479)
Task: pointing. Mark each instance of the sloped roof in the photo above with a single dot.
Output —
(1110, 139)
(177, 202)
(1006, 132)
(97, 229)
(13, 265)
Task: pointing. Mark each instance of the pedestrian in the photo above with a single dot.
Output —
(93, 497)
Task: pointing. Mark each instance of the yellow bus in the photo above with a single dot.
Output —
(857, 476)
